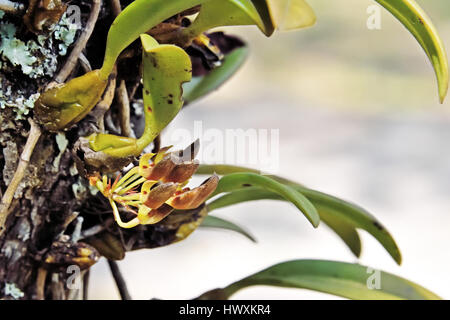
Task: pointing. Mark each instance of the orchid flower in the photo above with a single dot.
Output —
(161, 180)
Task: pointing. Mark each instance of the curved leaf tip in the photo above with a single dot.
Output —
(411, 15)
(239, 180)
(341, 216)
(219, 223)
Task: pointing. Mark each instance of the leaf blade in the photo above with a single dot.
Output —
(266, 14)
(410, 14)
(201, 86)
(240, 180)
(218, 13)
(344, 230)
(137, 18)
(219, 223)
(165, 69)
(338, 278)
(327, 206)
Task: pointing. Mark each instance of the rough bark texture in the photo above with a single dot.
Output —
(41, 234)
(43, 206)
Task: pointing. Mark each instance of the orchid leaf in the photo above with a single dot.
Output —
(219, 13)
(203, 85)
(165, 69)
(331, 210)
(346, 231)
(353, 281)
(136, 19)
(222, 169)
(409, 13)
(219, 223)
(340, 215)
(266, 14)
(236, 181)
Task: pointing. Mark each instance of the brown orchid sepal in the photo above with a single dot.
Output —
(171, 168)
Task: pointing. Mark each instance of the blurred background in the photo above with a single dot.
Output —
(359, 118)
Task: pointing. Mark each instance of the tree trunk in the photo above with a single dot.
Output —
(56, 226)
(43, 207)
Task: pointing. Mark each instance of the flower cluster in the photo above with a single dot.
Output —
(162, 179)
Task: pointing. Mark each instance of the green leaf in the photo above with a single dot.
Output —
(64, 105)
(338, 278)
(409, 13)
(292, 14)
(137, 18)
(330, 210)
(266, 14)
(236, 181)
(222, 169)
(219, 13)
(346, 231)
(201, 86)
(165, 69)
(340, 215)
(215, 222)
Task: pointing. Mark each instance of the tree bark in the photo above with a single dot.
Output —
(43, 206)
(57, 227)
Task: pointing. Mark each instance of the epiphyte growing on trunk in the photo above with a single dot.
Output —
(161, 180)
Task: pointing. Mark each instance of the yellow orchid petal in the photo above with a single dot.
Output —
(161, 154)
(144, 164)
(145, 189)
(148, 216)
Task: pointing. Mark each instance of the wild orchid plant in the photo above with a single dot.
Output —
(157, 187)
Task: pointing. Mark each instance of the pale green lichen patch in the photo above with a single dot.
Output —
(12, 290)
(35, 58)
(17, 100)
(65, 32)
(14, 50)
